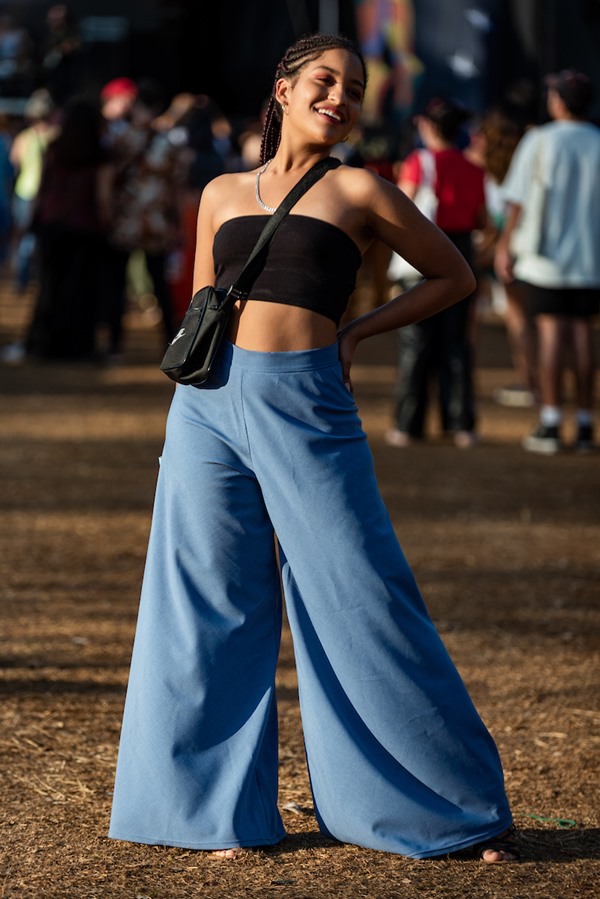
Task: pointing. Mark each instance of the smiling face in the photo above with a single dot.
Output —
(324, 100)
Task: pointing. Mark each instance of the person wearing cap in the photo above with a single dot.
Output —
(117, 98)
(145, 212)
(551, 242)
(27, 157)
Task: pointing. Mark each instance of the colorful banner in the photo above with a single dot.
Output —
(386, 35)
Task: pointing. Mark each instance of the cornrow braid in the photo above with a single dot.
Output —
(296, 57)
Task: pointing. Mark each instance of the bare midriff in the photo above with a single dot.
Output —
(277, 328)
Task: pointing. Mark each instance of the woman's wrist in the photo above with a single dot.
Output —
(351, 333)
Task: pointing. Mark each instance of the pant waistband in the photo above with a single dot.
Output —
(289, 360)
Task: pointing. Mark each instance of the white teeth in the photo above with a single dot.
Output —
(329, 114)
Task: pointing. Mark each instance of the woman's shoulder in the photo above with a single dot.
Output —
(229, 181)
(366, 199)
(358, 183)
(224, 187)
(220, 196)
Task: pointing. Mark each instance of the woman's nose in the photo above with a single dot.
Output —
(336, 94)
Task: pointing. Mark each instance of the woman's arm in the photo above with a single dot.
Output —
(204, 268)
(503, 258)
(395, 220)
(16, 151)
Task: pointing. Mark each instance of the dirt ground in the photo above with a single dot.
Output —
(504, 544)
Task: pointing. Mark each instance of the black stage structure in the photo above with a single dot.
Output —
(229, 48)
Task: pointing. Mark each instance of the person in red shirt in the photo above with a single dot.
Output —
(441, 344)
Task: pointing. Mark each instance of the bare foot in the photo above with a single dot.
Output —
(226, 853)
(495, 857)
(500, 849)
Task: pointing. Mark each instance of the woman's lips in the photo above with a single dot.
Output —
(331, 114)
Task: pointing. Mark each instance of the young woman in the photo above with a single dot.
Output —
(27, 156)
(72, 209)
(398, 757)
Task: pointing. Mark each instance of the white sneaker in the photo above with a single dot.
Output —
(515, 396)
(545, 440)
(13, 354)
(397, 438)
(465, 439)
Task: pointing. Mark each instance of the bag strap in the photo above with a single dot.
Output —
(242, 284)
(427, 160)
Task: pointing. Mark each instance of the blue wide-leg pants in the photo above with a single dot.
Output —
(398, 757)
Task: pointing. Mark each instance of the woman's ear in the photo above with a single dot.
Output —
(282, 93)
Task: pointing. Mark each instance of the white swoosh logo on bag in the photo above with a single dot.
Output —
(177, 336)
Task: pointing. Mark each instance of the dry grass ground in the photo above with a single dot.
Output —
(505, 546)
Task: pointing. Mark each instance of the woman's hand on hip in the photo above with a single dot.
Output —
(347, 344)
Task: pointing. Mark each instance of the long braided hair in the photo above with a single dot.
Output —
(296, 57)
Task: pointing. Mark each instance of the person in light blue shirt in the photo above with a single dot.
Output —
(551, 242)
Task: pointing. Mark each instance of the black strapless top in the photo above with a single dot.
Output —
(309, 263)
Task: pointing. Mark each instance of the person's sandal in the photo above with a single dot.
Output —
(504, 842)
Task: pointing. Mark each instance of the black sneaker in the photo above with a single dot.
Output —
(585, 439)
(543, 440)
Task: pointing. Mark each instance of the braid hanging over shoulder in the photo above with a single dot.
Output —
(295, 58)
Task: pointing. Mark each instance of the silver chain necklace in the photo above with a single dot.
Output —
(257, 189)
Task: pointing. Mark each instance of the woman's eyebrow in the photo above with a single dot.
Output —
(337, 72)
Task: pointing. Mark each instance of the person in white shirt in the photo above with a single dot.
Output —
(551, 242)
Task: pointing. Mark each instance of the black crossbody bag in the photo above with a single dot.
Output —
(191, 353)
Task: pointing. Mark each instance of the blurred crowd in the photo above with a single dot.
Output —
(51, 59)
(100, 194)
(99, 197)
(519, 198)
